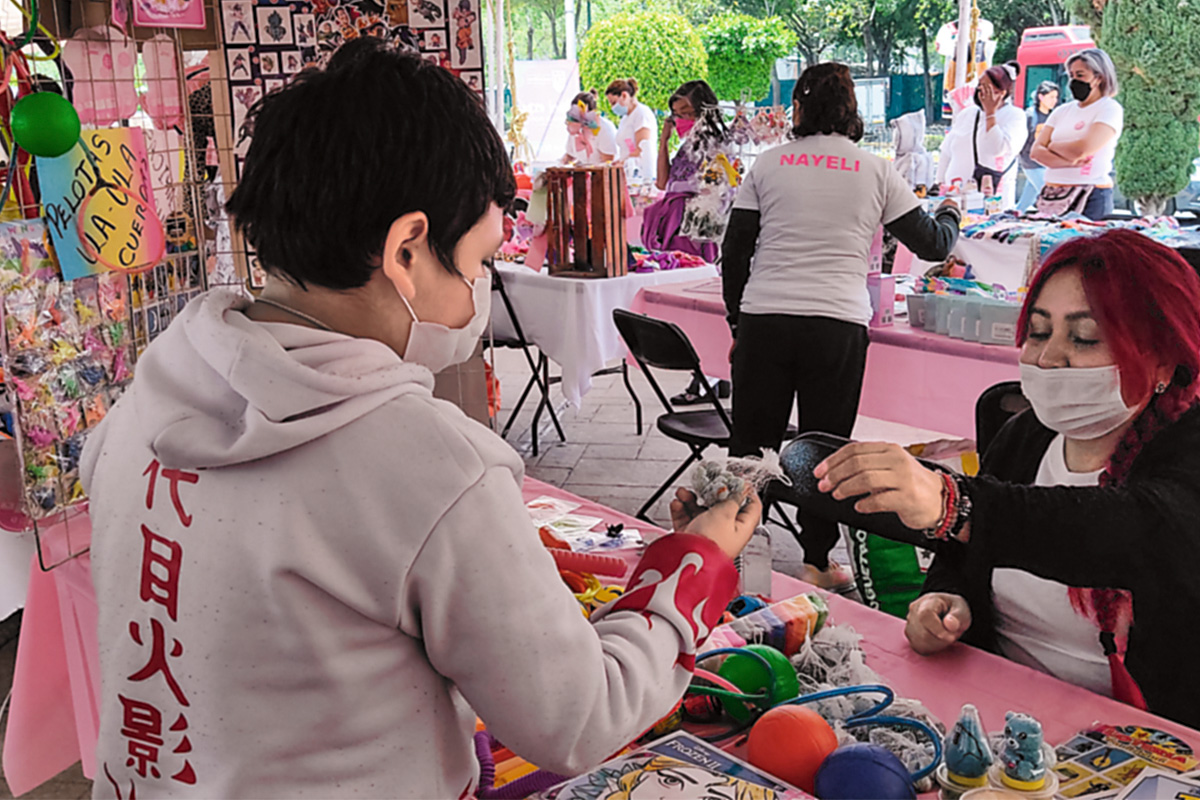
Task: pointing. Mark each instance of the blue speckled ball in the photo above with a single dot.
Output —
(862, 771)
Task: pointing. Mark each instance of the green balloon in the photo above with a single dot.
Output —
(747, 673)
(45, 124)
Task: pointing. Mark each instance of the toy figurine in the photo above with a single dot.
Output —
(1023, 758)
(968, 755)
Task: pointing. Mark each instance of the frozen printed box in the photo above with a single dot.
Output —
(679, 765)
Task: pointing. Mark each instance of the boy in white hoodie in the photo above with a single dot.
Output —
(311, 574)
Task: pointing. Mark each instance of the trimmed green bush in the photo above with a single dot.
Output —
(742, 51)
(1154, 45)
(660, 50)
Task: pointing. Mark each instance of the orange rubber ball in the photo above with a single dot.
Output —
(791, 742)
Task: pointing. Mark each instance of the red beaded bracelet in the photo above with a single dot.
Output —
(949, 508)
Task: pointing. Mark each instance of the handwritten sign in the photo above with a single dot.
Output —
(113, 218)
(164, 150)
(120, 231)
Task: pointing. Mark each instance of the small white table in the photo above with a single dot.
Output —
(570, 319)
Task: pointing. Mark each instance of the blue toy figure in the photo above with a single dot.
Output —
(968, 755)
(1023, 758)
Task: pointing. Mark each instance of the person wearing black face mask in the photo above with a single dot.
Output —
(1079, 139)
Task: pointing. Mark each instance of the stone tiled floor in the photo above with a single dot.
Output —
(604, 459)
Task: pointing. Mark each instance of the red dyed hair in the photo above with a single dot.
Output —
(1146, 300)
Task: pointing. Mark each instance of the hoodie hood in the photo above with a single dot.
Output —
(218, 389)
(910, 133)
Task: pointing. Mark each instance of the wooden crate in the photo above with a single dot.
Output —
(586, 222)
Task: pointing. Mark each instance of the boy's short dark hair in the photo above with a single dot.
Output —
(343, 151)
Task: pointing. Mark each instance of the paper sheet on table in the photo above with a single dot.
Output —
(1155, 785)
(546, 510)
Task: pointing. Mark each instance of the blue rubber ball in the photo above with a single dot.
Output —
(863, 772)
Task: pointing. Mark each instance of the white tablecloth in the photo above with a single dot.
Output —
(994, 261)
(570, 319)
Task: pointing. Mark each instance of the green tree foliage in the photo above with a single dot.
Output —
(660, 50)
(815, 29)
(741, 53)
(1154, 45)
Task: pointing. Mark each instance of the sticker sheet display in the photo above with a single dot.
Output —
(662, 767)
(67, 348)
(1102, 761)
(266, 44)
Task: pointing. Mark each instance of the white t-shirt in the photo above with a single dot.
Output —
(998, 148)
(820, 200)
(604, 143)
(643, 169)
(1071, 122)
(1035, 622)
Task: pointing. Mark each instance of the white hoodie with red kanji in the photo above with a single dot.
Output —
(312, 575)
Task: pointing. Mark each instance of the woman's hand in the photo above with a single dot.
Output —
(936, 621)
(991, 98)
(891, 478)
(668, 129)
(732, 348)
(725, 524)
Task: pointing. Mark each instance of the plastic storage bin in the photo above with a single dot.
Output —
(998, 323)
(916, 309)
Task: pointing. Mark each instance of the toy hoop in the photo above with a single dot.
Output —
(154, 232)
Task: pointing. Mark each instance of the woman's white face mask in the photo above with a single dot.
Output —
(1078, 402)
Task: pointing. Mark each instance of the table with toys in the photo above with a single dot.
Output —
(963, 694)
(53, 719)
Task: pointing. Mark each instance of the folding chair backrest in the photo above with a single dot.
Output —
(663, 345)
(996, 406)
(655, 342)
(518, 340)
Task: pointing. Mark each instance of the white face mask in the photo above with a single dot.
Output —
(1079, 403)
(436, 346)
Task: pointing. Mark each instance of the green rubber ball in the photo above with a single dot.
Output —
(45, 124)
(747, 673)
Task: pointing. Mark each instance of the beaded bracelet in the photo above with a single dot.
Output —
(949, 508)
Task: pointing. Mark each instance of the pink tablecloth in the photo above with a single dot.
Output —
(917, 378)
(53, 718)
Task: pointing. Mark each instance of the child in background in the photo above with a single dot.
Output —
(311, 574)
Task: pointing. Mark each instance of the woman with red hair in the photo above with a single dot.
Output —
(1076, 550)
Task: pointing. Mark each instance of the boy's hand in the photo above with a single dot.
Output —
(727, 525)
(684, 509)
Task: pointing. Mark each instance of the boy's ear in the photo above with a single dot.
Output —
(406, 235)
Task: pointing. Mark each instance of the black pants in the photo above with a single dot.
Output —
(815, 360)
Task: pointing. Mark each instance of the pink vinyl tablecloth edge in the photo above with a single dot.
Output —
(54, 718)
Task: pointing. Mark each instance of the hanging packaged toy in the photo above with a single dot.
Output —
(66, 347)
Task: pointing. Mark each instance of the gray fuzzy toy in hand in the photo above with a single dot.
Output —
(717, 480)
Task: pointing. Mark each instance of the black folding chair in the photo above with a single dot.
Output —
(996, 406)
(540, 369)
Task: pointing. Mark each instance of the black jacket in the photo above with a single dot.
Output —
(1143, 536)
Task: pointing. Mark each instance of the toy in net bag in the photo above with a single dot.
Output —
(719, 479)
